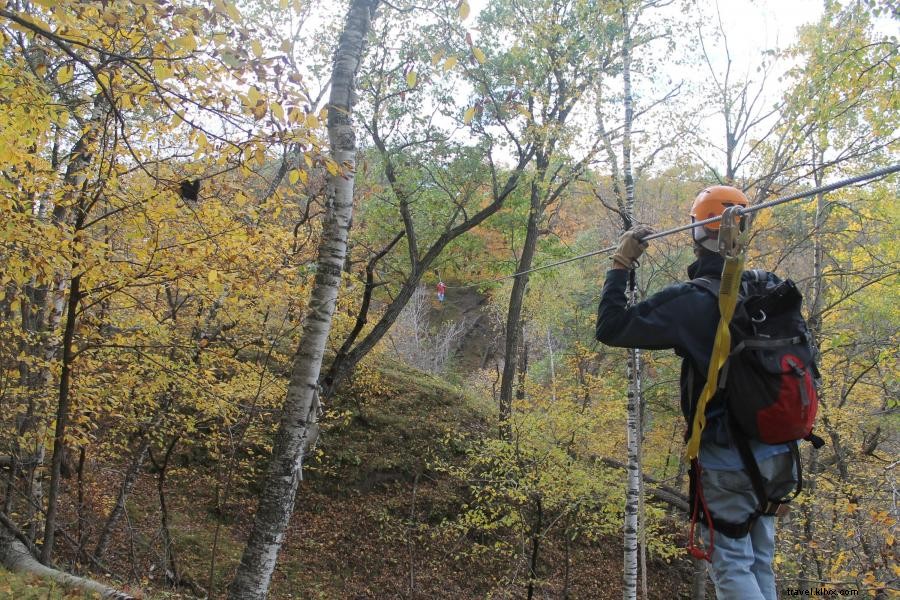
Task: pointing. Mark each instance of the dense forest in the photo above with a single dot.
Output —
(226, 367)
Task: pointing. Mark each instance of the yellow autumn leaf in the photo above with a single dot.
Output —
(186, 42)
(464, 10)
(161, 70)
(293, 176)
(233, 12)
(283, 5)
(65, 74)
(212, 276)
(278, 111)
(436, 57)
(450, 63)
(311, 121)
(479, 55)
(253, 96)
(411, 79)
(331, 166)
(257, 48)
(469, 114)
(304, 177)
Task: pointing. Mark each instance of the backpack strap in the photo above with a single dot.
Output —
(727, 300)
(710, 285)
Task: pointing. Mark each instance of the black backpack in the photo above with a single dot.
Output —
(768, 384)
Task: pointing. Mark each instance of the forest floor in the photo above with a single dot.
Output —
(370, 519)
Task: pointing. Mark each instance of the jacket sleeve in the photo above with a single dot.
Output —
(654, 324)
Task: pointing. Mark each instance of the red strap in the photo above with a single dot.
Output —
(699, 500)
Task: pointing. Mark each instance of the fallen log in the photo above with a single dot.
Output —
(16, 557)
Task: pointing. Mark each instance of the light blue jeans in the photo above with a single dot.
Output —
(741, 569)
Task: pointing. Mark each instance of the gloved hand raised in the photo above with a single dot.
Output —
(631, 247)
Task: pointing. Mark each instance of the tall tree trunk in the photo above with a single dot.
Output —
(516, 300)
(62, 418)
(298, 428)
(633, 485)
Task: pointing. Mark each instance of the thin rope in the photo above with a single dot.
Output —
(811, 192)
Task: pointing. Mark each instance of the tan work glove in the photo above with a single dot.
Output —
(631, 246)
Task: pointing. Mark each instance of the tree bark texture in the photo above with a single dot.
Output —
(298, 427)
(634, 429)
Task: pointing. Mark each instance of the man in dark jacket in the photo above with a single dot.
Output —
(684, 317)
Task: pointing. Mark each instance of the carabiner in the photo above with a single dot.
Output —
(733, 232)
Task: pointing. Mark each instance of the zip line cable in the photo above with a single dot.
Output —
(812, 192)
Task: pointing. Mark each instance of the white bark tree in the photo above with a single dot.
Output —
(635, 431)
(298, 428)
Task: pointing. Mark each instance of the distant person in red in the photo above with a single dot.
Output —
(441, 288)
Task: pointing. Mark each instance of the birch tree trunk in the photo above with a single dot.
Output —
(633, 485)
(298, 428)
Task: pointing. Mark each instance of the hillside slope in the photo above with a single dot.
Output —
(371, 514)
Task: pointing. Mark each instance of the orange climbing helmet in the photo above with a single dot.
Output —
(709, 203)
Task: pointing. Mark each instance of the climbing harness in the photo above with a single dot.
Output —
(744, 211)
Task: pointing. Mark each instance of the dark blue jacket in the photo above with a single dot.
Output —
(684, 317)
(681, 316)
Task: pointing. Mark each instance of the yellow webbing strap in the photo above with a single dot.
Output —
(728, 296)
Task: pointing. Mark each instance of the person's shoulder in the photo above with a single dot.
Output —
(682, 290)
